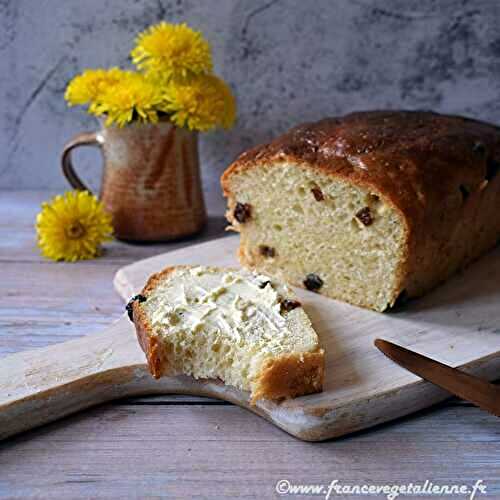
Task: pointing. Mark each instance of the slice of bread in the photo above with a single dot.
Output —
(245, 329)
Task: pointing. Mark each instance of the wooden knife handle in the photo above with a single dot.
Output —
(464, 385)
(45, 384)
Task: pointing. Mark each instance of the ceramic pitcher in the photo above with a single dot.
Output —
(151, 179)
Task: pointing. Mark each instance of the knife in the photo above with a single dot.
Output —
(463, 385)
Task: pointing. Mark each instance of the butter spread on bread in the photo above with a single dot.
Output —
(248, 330)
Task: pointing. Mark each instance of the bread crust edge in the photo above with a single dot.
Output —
(290, 375)
(149, 342)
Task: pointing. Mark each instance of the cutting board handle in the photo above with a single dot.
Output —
(45, 384)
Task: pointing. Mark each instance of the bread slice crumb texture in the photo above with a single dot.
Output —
(319, 232)
(246, 329)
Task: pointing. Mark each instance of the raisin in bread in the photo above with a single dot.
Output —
(248, 330)
(368, 207)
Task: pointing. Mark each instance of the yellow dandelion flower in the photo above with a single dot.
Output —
(201, 103)
(87, 87)
(132, 98)
(72, 227)
(172, 50)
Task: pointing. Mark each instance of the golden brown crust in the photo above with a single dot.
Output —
(440, 172)
(290, 375)
(403, 153)
(155, 354)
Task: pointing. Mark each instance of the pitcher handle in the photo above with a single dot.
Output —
(83, 139)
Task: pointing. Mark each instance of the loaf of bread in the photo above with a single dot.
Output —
(248, 330)
(369, 207)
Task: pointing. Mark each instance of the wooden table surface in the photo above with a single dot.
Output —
(187, 447)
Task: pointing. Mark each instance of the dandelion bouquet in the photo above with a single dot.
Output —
(174, 79)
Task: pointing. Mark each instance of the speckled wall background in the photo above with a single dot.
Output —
(287, 60)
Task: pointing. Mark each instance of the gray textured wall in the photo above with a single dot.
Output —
(287, 60)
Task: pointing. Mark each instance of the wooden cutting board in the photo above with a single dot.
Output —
(458, 324)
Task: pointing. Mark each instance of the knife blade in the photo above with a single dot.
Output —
(479, 392)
